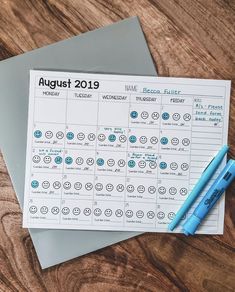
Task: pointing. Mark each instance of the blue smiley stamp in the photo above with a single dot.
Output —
(134, 114)
(68, 160)
(163, 165)
(58, 159)
(132, 139)
(100, 161)
(165, 116)
(164, 140)
(112, 138)
(34, 184)
(70, 135)
(37, 134)
(131, 163)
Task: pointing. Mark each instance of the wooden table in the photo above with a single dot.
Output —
(187, 38)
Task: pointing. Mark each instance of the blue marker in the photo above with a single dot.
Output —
(212, 196)
(206, 176)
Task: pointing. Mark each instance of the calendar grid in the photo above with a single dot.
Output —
(82, 138)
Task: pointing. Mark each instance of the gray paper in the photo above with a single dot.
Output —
(118, 48)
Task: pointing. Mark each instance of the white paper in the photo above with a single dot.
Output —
(117, 152)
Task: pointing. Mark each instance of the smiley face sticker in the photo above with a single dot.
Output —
(155, 115)
(76, 211)
(44, 210)
(160, 215)
(68, 160)
(163, 165)
(171, 215)
(153, 140)
(139, 214)
(131, 163)
(81, 136)
(111, 162)
(134, 114)
(67, 185)
(185, 141)
(47, 159)
(132, 139)
(109, 187)
(99, 187)
(141, 189)
(108, 212)
(60, 135)
(33, 209)
(119, 213)
(176, 116)
(143, 139)
(58, 159)
(90, 161)
(121, 162)
(130, 188)
(141, 164)
(97, 212)
(70, 135)
(56, 185)
(100, 161)
(165, 116)
(112, 138)
(34, 184)
(144, 115)
(78, 186)
(150, 214)
(45, 184)
(120, 188)
(91, 137)
(55, 210)
(65, 211)
(122, 138)
(37, 134)
(184, 166)
(175, 141)
(164, 140)
(79, 160)
(129, 213)
(36, 158)
(48, 134)
(187, 117)
(87, 211)
(101, 137)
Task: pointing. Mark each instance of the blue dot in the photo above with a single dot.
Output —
(58, 160)
(34, 184)
(131, 163)
(68, 160)
(112, 138)
(134, 114)
(165, 116)
(163, 165)
(164, 140)
(70, 135)
(132, 139)
(37, 134)
(100, 161)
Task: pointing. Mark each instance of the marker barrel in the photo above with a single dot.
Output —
(205, 177)
(212, 196)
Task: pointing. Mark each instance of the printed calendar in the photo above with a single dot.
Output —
(117, 152)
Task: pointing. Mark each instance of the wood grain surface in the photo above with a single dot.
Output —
(187, 38)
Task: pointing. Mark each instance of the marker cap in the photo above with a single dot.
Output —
(191, 225)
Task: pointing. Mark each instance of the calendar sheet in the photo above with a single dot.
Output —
(117, 152)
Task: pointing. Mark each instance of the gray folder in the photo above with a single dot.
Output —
(118, 48)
